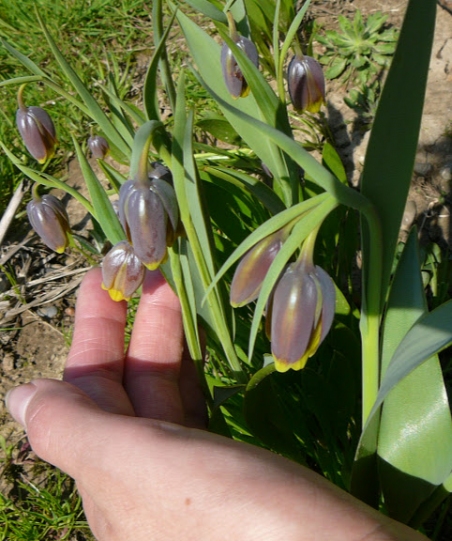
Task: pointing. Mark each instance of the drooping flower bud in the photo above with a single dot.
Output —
(168, 197)
(232, 74)
(122, 272)
(301, 313)
(36, 129)
(49, 219)
(253, 267)
(144, 218)
(306, 83)
(98, 146)
(158, 170)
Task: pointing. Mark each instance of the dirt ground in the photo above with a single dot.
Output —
(36, 333)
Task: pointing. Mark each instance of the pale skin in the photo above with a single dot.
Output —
(130, 429)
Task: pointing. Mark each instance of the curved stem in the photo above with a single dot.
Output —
(140, 150)
(20, 99)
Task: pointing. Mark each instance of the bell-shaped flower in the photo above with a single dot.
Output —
(306, 83)
(98, 146)
(149, 214)
(232, 74)
(37, 130)
(253, 267)
(122, 272)
(300, 314)
(49, 219)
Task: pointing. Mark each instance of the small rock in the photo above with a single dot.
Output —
(48, 311)
(69, 311)
(423, 169)
(446, 172)
(8, 362)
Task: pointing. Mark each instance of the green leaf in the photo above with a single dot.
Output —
(104, 212)
(428, 336)
(209, 10)
(207, 56)
(270, 226)
(150, 82)
(336, 68)
(95, 110)
(114, 177)
(307, 223)
(393, 140)
(415, 436)
(255, 186)
(219, 127)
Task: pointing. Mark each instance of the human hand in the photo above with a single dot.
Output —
(129, 429)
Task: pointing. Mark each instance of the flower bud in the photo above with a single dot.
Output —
(122, 272)
(144, 218)
(301, 312)
(232, 74)
(160, 171)
(168, 197)
(98, 146)
(306, 84)
(49, 219)
(253, 267)
(37, 130)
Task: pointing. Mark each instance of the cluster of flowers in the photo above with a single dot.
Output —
(305, 79)
(301, 307)
(148, 209)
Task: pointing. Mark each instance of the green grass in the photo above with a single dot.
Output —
(98, 38)
(40, 502)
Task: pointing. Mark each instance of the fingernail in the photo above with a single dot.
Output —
(17, 401)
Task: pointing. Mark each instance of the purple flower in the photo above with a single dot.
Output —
(306, 84)
(253, 267)
(49, 219)
(122, 272)
(232, 74)
(301, 312)
(37, 130)
(98, 146)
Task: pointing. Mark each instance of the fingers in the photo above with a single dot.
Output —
(95, 361)
(152, 365)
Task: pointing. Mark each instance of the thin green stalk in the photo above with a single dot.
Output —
(278, 59)
(163, 63)
(371, 314)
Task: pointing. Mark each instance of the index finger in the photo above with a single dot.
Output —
(96, 359)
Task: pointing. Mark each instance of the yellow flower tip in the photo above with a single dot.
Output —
(315, 107)
(60, 249)
(152, 266)
(115, 294)
(245, 92)
(284, 366)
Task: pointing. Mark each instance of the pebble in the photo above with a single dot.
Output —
(423, 169)
(8, 362)
(48, 311)
(446, 172)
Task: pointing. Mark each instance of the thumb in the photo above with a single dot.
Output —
(59, 419)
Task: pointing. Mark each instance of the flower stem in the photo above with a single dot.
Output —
(371, 313)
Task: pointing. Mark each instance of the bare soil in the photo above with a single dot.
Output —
(36, 314)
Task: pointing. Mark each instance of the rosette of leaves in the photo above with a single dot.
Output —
(360, 50)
